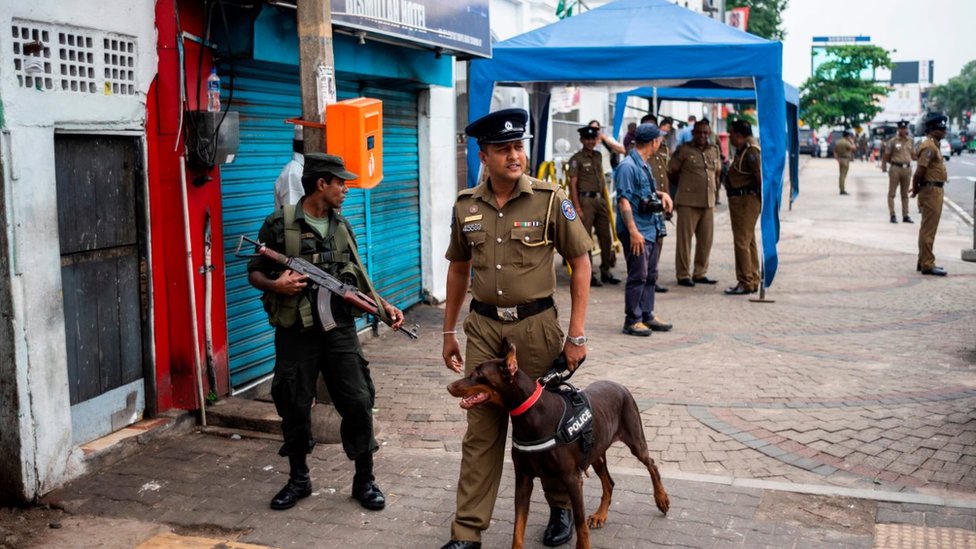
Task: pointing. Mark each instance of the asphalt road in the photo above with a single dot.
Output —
(962, 175)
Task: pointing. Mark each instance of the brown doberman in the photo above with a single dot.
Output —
(536, 414)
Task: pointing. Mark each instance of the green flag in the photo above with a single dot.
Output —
(564, 8)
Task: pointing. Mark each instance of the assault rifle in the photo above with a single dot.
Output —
(323, 281)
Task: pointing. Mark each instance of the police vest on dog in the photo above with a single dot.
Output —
(576, 423)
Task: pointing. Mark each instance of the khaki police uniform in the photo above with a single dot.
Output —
(745, 205)
(930, 195)
(659, 170)
(511, 253)
(897, 158)
(586, 167)
(843, 152)
(695, 205)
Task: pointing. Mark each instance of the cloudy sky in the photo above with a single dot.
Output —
(941, 30)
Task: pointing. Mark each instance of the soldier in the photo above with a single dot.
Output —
(898, 154)
(696, 167)
(505, 230)
(744, 189)
(587, 186)
(314, 229)
(930, 177)
(843, 152)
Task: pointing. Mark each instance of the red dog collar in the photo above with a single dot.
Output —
(524, 407)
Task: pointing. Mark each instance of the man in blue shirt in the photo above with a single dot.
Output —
(640, 221)
(684, 134)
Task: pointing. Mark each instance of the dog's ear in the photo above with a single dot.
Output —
(510, 360)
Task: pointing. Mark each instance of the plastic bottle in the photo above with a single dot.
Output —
(213, 91)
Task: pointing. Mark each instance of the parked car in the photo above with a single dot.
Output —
(808, 142)
(832, 140)
(821, 147)
(945, 148)
(956, 144)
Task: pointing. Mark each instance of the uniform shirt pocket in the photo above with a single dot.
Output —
(530, 248)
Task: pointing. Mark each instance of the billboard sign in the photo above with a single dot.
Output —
(819, 54)
(459, 26)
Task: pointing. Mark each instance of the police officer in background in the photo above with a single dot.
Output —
(896, 160)
(586, 185)
(314, 230)
(505, 230)
(928, 182)
(696, 166)
(844, 152)
(659, 169)
(744, 189)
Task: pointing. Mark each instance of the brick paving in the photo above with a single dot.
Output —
(861, 377)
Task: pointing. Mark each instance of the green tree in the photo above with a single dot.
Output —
(837, 94)
(765, 16)
(958, 95)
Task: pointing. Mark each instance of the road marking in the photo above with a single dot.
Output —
(959, 211)
(969, 178)
(968, 163)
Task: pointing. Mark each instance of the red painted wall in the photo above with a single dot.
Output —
(171, 315)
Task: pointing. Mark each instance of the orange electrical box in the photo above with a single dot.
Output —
(354, 131)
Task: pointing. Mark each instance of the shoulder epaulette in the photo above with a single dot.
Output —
(539, 185)
(466, 192)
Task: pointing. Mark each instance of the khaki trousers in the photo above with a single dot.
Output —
(597, 216)
(697, 222)
(744, 212)
(845, 164)
(898, 177)
(930, 204)
(538, 341)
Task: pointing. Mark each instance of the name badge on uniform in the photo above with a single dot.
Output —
(471, 218)
(473, 227)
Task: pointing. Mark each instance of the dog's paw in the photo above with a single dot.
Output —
(596, 521)
(662, 501)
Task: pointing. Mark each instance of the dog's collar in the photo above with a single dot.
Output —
(524, 407)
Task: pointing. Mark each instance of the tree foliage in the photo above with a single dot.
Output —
(958, 95)
(837, 95)
(765, 19)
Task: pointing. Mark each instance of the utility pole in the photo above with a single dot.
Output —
(317, 68)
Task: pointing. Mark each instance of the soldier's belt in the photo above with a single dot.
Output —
(589, 194)
(512, 314)
(900, 165)
(932, 184)
(742, 191)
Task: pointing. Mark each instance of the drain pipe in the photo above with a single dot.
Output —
(191, 289)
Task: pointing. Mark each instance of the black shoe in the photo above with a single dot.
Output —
(296, 489)
(918, 267)
(560, 527)
(738, 290)
(935, 271)
(369, 496)
(894, 219)
(686, 282)
(844, 193)
(657, 326)
(457, 544)
(595, 282)
(609, 279)
(704, 280)
(660, 289)
(905, 219)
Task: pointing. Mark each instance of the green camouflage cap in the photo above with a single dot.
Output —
(321, 164)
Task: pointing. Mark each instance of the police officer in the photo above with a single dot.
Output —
(896, 160)
(659, 169)
(314, 229)
(505, 230)
(587, 186)
(844, 152)
(930, 177)
(696, 166)
(744, 189)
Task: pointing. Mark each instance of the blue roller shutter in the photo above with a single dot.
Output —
(388, 230)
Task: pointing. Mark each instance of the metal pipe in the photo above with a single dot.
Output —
(191, 290)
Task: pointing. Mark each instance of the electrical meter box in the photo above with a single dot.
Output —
(354, 131)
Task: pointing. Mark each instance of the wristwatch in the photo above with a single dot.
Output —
(579, 341)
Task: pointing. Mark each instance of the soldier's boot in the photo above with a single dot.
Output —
(364, 488)
(299, 485)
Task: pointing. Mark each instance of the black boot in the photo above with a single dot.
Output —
(364, 488)
(299, 485)
(560, 527)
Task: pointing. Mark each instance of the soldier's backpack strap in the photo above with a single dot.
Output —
(380, 311)
(293, 248)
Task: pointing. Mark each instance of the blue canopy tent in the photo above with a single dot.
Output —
(645, 42)
(719, 94)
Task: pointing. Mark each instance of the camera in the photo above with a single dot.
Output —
(648, 205)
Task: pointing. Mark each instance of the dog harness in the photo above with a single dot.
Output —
(576, 422)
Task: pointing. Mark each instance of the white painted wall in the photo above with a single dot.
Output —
(438, 186)
(31, 118)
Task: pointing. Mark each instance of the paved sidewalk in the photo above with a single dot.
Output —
(842, 415)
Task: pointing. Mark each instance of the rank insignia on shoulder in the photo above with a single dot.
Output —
(569, 212)
(473, 227)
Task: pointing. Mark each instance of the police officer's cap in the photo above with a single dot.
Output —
(903, 123)
(935, 121)
(742, 127)
(324, 164)
(500, 126)
(588, 132)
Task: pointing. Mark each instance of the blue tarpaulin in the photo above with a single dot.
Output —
(719, 94)
(649, 42)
